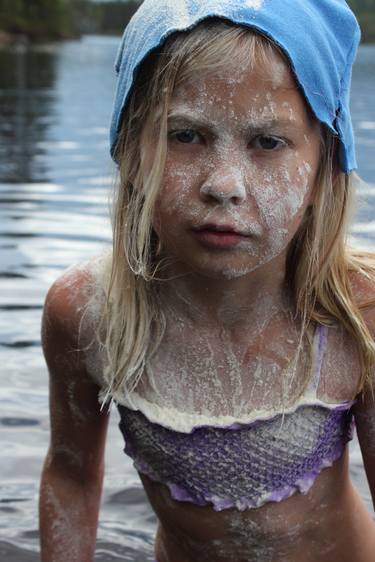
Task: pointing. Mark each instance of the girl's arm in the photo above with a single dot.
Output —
(364, 410)
(365, 423)
(72, 475)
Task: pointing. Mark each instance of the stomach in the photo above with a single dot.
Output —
(328, 523)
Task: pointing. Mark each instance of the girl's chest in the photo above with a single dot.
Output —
(217, 373)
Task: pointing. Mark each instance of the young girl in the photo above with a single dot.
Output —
(230, 324)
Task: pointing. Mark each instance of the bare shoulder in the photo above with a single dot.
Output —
(72, 312)
(68, 298)
(78, 421)
(341, 368)
(363, 290)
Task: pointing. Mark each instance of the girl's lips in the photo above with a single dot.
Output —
(219, 238)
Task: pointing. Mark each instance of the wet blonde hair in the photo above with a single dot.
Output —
(319, 263)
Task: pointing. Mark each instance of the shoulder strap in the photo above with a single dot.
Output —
(319, 346)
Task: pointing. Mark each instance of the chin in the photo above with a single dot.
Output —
(235, 273)
(225, 272)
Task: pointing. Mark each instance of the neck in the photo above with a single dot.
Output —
(249, 300)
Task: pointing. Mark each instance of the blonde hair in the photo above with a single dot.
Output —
(319, 262)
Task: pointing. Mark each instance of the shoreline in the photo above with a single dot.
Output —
(10, 39)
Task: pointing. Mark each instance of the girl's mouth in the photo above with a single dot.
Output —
(220, 236)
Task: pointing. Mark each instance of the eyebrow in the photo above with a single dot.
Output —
(258, 125)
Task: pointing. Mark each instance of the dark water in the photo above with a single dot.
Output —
(55, 176)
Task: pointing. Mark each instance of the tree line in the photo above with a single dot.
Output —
(365, 12)
(41, 20)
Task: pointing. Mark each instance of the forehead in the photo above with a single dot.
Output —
(247, 90)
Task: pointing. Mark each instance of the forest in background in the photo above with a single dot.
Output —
(365, 12)
(44, 20)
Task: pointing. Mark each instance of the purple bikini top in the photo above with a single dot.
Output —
(243, 465)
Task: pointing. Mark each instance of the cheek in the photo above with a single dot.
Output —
(281, 195)
(178, 187)
(175, 196)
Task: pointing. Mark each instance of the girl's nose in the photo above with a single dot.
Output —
(224, 187)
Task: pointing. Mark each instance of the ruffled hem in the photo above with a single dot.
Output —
(302, 485)
(175, 420)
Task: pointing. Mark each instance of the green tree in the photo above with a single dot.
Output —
(114, 16)
(43, 19)
(53, 19)
(365, 12)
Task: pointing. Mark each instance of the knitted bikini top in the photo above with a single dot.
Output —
(245, 463)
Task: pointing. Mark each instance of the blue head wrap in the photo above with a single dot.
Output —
(319, 37)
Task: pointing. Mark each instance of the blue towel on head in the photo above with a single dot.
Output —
(319, 37)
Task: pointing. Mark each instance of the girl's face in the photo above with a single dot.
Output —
(242, 160)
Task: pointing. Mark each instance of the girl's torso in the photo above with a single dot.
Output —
(326, 523)
(329, 524)
(216, 377)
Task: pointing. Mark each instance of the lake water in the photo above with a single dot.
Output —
(55, 176)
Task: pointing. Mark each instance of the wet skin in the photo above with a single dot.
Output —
(329, 524)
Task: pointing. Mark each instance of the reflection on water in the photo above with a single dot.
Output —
(363, 110)
(26, 111)
(55, 176)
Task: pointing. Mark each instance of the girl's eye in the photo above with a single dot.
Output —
(268, 143)
(186, 136)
